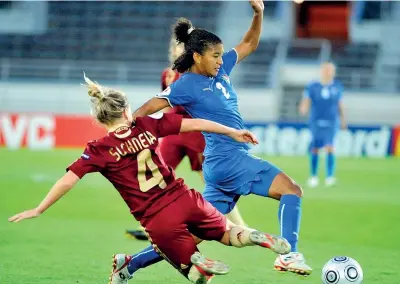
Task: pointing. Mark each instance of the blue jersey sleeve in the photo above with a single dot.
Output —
(229, 60)
(177, 95)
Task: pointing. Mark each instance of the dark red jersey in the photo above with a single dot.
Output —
(127, 158)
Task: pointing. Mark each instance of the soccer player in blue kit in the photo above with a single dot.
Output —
(205, 91)
(323, 99)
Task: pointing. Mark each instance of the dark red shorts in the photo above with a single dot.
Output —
(175, 147)
(170, 230)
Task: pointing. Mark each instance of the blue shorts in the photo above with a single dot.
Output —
(322, 136)
(259, 186)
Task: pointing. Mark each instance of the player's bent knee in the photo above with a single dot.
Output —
(314, 150)
(296, 190)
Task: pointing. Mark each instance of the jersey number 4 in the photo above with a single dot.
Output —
(222, 88)
(145, 161)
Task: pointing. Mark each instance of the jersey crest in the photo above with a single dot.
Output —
(325, 93)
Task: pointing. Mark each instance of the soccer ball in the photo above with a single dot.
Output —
(342, 270)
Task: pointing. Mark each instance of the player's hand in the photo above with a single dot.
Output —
(257, 5)
(28, 214)
(244, 136)
(343, 125)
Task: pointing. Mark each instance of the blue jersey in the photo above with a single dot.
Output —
(325, 100)
(214, 98)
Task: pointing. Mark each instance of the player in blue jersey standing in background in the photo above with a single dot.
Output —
(205, 91)
(323, 100)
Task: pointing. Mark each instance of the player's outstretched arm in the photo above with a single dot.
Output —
(251, 39)
(151, 106)
(190, 125)
(61, 187)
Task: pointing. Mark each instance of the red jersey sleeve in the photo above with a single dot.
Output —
(90, 161)
(163, 124)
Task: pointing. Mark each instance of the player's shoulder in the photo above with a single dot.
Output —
(95, 142)
(186, 78)
(94, 147)
(186, 83)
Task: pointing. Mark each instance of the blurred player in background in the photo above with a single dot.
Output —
(163, 204)
(205, 91)
(323, 99)
(174, 148)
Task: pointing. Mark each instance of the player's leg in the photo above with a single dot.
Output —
(172, 153)
(148, 257)
(171, 239)
(289, 194)
(330, 157)
(272, 182)
(313, 180)
(208, 223)
(236, 217)
(178, 247)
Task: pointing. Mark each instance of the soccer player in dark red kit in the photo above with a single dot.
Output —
(174, 148)
(171, 212)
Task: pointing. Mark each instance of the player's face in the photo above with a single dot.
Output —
(210, 62)
(328, 71)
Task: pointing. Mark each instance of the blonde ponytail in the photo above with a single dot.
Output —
(108, 105)
(95, 90)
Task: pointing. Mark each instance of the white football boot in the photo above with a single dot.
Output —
(204, 269)
(119, 272)
(313, 182)
(330, 181)
(275, 243)
(293, 262)
(209, 266)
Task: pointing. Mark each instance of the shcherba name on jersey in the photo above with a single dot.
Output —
(133, 145)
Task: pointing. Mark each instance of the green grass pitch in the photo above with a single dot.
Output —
(73, 242)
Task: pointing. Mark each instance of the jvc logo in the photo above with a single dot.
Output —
(35, 132)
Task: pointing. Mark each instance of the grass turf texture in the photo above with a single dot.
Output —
(73, 242)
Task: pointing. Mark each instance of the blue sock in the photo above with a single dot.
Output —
(289, 215)
(330, 164)
(144, 258)
(314, 164)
